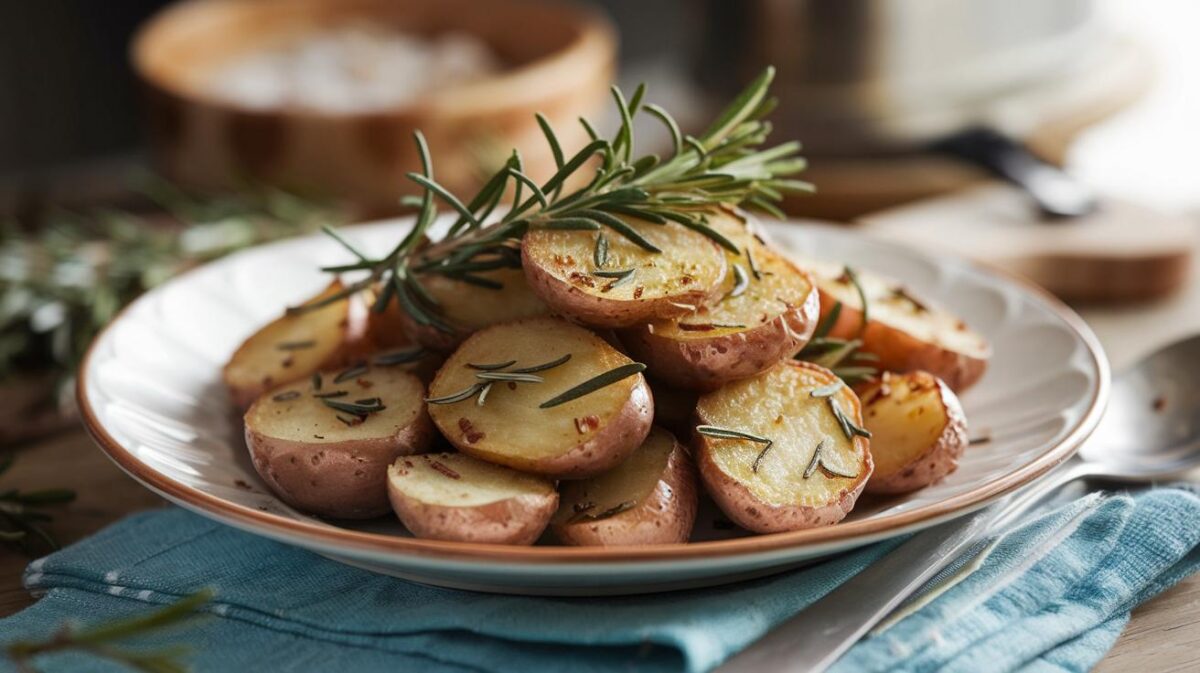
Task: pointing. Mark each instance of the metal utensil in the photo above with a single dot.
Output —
(1150, 431)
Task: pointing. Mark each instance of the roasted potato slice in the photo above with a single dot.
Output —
(807, 461)
(452, 496)
(323, 445)
(905, 332)
(648, 499)
(292, 347)
(918, 431)
(767, 314)
(632, 285)
(576, 439)
(469, 307)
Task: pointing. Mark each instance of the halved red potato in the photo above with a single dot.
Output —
(467, 307)
(320, 450)
(918, 431)
(906, 333)
(452, 496)
(575, 439)
(292, 347)
(817, 460)
(648, 499)
(633, 285)
(767, 314)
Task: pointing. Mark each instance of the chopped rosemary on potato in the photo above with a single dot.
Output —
(600, 255)
(727, 433)
(740, 282)
(490, 373)
(595, 383)
(818, 461)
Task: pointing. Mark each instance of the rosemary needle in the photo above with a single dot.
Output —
(595, 383)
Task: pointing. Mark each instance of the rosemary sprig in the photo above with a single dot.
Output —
(64, 275)
(21, 515)
(104, 640)
(725, 165)
(593, 384)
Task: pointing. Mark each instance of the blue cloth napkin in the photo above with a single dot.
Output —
(1051, 595)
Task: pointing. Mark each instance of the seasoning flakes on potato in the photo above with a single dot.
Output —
(452, 496)
(907, 333)
(785, 450)
(918, 431)
(650, 498)
(292, 347)
(603, 279)
(542, 395)
(323, 445)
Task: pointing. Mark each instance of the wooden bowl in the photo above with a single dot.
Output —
(559, 60)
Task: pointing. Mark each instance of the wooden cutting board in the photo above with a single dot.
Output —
(1124, 252)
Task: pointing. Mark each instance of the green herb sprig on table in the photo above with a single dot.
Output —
(23, 515)
(65, 275)
(104, 640)
(726, 165)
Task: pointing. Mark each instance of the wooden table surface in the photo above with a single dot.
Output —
(1164, 634)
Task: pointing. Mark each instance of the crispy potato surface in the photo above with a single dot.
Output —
(813, 469)
(452, 496)
(907, 333)
(648, 499)
(576, 439)
(329, 459)
(632, 285)
(918, 431)
(292, 347)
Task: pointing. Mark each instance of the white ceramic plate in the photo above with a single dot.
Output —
(151, 394)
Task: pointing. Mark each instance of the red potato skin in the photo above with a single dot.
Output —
(707, 364)
(602, 451)
(898, 351)
(336, 480)
(515, 521)
(666, 516)
(575, 305)
(938, 461)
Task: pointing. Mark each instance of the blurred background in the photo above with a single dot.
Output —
(1054, 138)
